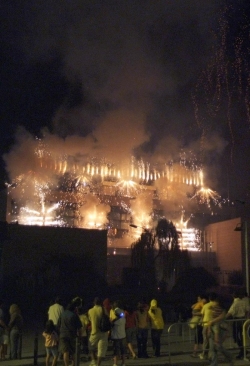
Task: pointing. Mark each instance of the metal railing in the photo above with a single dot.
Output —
(181, 334)
(177, 338)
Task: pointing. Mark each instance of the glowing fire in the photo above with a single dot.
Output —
(96, 194)
(43, 217)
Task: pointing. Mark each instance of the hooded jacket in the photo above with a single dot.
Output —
(155, 316)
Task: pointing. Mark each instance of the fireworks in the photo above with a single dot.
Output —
(128, 188)
(206, 196)
(44, 217)
(223, 86)
(92, 193)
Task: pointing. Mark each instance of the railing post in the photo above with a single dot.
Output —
(244, 335)
(35, 349)
(77, 353)
(20, 346)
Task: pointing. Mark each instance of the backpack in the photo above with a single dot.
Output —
(105, 324)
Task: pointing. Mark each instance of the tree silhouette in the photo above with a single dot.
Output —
(143, 258)
(159, 247)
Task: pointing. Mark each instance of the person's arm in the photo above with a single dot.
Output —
(228, 315)
(2, 323)
(217, 319)
(12, 321)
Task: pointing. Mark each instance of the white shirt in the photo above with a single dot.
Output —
(55, 312)
(239, 308)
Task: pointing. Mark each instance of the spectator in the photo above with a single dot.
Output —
(197, 326)
(4, 334)
(107, 305)
(98, 341)
(55, 311)
(142, 323)
(69, 326)
(157, 326)
(206, 313)
(216, 333)
(15, 328)
(118, 333)
(51, 343)
(130, 327)
(83, 315)
(238, 310)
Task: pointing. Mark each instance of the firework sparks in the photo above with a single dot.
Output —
(42, 217)
(128, 188)
(206, 196)
(93, 193)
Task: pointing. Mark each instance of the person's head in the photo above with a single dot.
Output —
(204, 298)
(106, 302)
(129, 308)
(153, 304)
(77, 301)
(97, 301)
(213, 296)
(58, 300)
(141, 306)
(240, 292)
(14, 308)
(49, 327)
(116, 304)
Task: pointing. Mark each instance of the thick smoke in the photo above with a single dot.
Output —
(130, 66)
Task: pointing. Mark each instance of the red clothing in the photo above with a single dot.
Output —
(107, 305)
(130, 319)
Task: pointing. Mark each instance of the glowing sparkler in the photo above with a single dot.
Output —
(206, 196)
(28, 216)
(128, 187)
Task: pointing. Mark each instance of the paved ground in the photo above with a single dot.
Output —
(180, 355)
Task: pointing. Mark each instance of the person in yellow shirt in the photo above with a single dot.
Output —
(157, 326)
(142, 326)
(196, 322)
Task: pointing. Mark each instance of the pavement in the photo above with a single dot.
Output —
(177, 352)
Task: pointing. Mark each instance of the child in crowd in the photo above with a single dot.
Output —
(83, 315)
(51, 343)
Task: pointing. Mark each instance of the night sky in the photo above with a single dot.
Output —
(175, 73)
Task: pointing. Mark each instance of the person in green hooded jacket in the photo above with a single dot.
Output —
(157, 326)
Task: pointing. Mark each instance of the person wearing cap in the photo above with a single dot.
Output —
(157, 326)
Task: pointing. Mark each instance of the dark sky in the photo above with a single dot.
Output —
(174, 75)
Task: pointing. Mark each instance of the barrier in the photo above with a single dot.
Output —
(245, 333)
(35, 349)
(180, 336)
(177, 340)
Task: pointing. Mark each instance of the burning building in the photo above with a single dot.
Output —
(75, 191)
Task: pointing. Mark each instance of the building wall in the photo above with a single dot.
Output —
(39, 263)
(221, 238)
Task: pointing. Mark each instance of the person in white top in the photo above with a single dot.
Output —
(118, 333)
(55, 311)
(238, 310)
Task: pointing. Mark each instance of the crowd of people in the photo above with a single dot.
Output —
(208, 320)
(127, 326)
